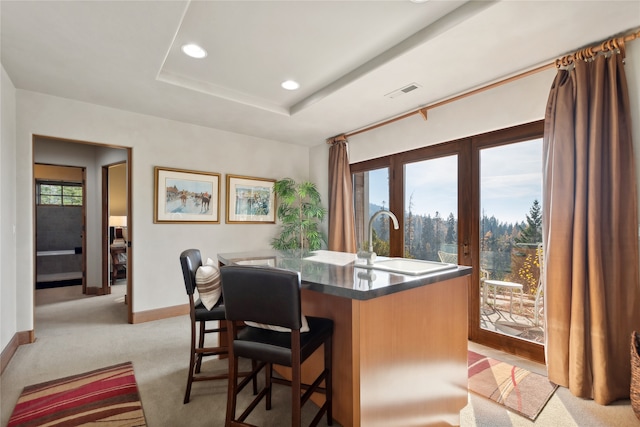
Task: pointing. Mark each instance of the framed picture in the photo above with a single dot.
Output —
(186, 196)
(250, 200)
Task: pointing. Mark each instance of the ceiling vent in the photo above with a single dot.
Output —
(403, 90)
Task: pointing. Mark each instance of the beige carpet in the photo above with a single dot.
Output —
(77, 334)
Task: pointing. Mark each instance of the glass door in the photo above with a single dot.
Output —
(510, 241)
(475, 202)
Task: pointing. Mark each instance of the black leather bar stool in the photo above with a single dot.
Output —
(190, 261)
(271, 298)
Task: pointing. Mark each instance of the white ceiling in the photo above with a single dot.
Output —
(347, 55)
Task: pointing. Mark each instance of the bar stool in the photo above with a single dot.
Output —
(270, 299)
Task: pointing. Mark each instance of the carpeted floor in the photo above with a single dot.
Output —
(77, 333)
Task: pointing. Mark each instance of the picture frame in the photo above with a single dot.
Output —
(250, 200)
(186, 196)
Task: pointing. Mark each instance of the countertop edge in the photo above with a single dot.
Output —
(407, 281)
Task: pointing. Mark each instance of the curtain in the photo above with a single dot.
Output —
(590, 229)
(341, 217)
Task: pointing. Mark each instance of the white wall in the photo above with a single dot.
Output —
(518, 102)
(8, 288)
(155, 142)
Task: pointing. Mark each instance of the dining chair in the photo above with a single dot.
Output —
(269, 298)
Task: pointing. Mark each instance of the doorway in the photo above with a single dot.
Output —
(60, 224)
(91, 157)
(114, 225)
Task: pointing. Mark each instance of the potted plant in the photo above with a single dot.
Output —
(301, 213)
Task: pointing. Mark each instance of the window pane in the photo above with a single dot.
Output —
(511, 238)
(75, 191)
(431, 209)
(48, 189)
(371, 194)
(72, 201)
(72, 195)
(59, 194)
(50, 200)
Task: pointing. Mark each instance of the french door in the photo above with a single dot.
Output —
(477, 202)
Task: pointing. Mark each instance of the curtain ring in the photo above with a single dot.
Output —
(621, 47)
(568, 60)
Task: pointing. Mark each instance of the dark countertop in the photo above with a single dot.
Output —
(338, 273)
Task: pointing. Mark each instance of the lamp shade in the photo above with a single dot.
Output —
(118, 221)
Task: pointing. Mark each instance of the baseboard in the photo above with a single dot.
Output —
(19, 338)
(160, 313)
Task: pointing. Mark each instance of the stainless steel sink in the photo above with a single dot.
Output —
(414, 267)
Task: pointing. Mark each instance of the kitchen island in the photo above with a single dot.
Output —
(400, 341)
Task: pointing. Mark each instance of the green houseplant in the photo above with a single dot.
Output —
(301, 213)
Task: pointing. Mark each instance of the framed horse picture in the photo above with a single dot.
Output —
(250, 200)
(183, 196)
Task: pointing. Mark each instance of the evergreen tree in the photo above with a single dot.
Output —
(532, 230)
(451, 236)
(409, 230)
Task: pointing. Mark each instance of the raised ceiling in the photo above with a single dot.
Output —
(348, 56)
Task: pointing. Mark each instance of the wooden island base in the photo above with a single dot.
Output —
(400, 359)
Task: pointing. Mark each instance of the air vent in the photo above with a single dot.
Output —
(406, 89)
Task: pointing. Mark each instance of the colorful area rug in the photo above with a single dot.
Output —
(105, 397)
(521, 391)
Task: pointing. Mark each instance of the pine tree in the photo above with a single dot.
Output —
(532, 231)
(451, 235)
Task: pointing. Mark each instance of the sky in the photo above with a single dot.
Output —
(510, 177)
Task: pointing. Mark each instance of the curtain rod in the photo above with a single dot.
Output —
(423, 111)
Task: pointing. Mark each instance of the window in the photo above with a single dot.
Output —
(59, 193)
(371, 194)
(431, 209)
(475, 201)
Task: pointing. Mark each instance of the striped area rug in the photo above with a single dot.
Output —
(520, 390)
(107, 396)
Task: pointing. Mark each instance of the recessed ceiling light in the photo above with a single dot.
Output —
(290, 85)
(194, 51)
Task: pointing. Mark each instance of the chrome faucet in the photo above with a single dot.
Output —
(370, 256)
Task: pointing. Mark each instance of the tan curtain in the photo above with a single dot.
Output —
(341, 218)
(592, 294)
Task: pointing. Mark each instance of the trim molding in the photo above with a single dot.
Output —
(160, 313)
(19, 338)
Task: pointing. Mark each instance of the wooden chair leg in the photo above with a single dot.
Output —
(232, 392)
(200, 345)
(254, 364)
(296, 395)
(192, 362)
(328, 381)
(268, 370)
